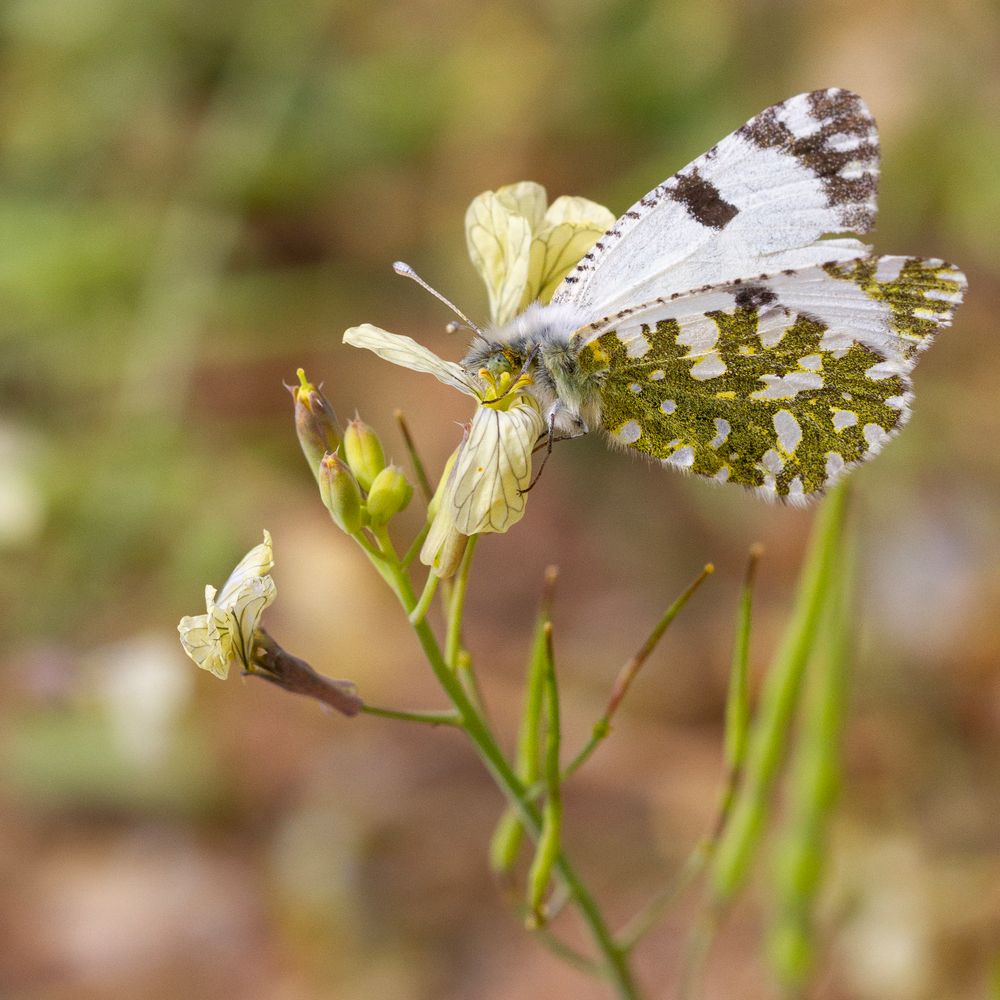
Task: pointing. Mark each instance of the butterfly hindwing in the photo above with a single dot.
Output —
(781, 383)
(756, 202)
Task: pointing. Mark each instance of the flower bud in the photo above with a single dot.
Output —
(315, 423)
(363, 451)
(341, 494)
(390, 493)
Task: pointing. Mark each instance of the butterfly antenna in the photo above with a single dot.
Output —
(407, 272)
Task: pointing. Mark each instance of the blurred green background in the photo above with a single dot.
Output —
(195, 199)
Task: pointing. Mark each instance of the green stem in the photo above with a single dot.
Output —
(549, 843)
(630, 671)
(376, 558)
(737, 724)
(419, 612)
(630, 935)
(418, 543)
(456, 606)
(778, 700)
(615, 961)
(429, 718)
(418, 466)
(506, 842)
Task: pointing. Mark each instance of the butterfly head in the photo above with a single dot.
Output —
(503, 370)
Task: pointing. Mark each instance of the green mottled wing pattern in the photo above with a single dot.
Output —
(781, 383)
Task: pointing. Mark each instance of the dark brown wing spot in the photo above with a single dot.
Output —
(838, 112)
(702, 200)
(754, 297)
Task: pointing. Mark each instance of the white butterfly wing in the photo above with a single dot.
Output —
(756, 203)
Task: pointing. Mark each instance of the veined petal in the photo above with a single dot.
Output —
(236, 626)
(256, 563)
(555, 251)
(499, 241)
(568, 208)
(201, 643)
(444, 545)
(526, 198)
(227, 632)
(494, 467)
(408, 353)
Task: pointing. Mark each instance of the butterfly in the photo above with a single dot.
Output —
(730, 324)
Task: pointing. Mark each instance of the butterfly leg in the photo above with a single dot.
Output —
(578, 429)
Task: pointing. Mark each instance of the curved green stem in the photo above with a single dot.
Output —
(429, 718)
(456, 606)
(614, 959)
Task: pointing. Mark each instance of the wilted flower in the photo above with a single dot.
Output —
(226, 633)
(523, 247)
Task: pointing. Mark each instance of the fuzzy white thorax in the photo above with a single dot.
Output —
(570, 407)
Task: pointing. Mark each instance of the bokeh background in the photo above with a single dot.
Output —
(197, 198)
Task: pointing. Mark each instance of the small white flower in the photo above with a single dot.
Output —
(485, 487)
(523, 247)
(226, 633)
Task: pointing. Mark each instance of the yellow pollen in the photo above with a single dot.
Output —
(499, 388)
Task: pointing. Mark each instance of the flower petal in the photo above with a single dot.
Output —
(408, 353)
(226, 634)
(236, 626)
(573, 226)
(582, 210)
(499, 241)
(494, 467)
(256, 563)
(201, 643)
(526, 198)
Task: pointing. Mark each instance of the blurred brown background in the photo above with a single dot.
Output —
(196, 199)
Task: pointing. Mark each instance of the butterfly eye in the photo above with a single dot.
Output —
(502, 361)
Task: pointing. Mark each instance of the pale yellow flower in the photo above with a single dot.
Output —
(523, 247)
(225, 635)
(484, 489)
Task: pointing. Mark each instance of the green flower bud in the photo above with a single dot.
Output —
(363, 451)
(341, 494)
(390, 493)
(315, 423)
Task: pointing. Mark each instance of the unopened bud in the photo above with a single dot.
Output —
(341, 494)
(315, 423)
(390, 493)
(363, 451)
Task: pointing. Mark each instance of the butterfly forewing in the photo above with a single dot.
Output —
(781, 383)
(757, 202)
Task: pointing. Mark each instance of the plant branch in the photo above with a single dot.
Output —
(451, 718)
(630, 671)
